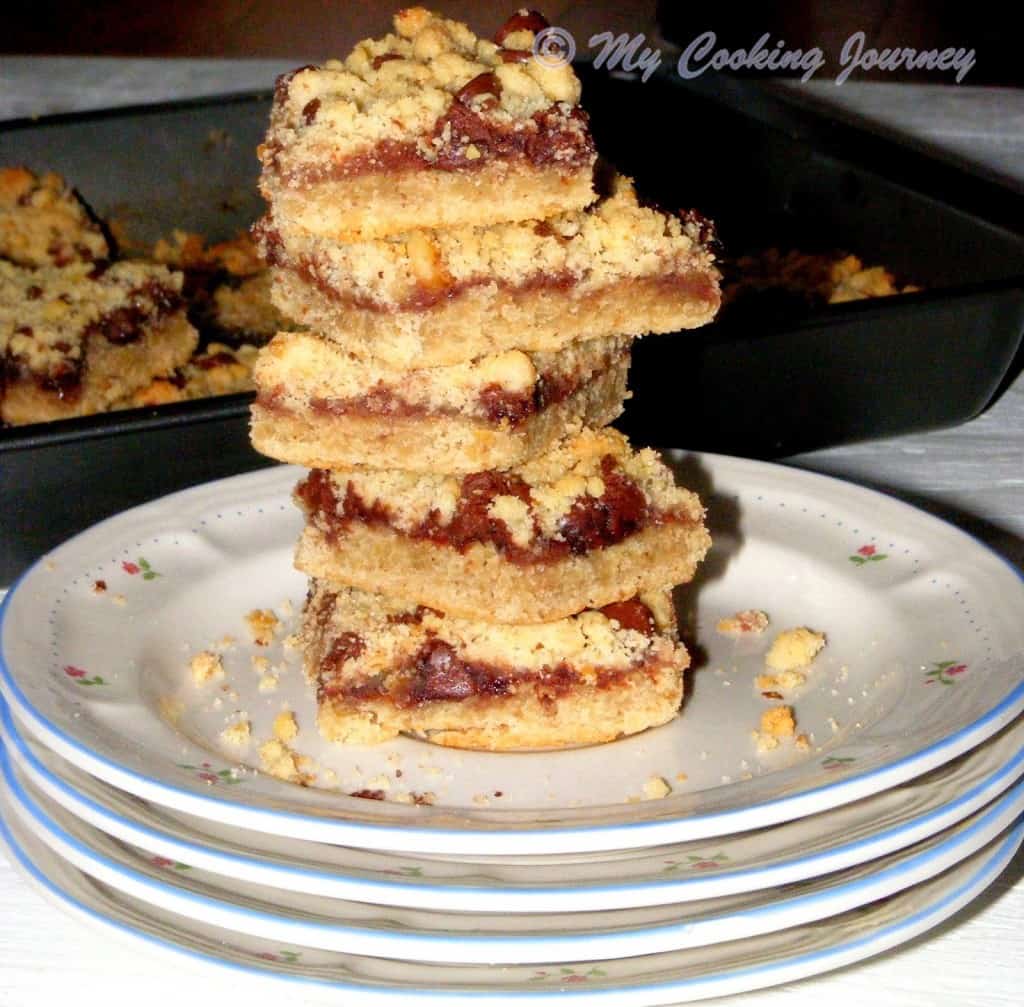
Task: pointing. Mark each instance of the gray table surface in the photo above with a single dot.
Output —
(973, 475)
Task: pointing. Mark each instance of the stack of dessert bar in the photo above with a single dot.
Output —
(491, 566)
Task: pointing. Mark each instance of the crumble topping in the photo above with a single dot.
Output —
(785, 680)
(427, 85)
(655, 788)
(285, 727)
(277, 759)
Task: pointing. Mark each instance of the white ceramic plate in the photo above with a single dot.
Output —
(644, 981)
(924, 662)
(794, 851)
(488, 938)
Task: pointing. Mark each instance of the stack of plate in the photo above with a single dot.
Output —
(520, 876)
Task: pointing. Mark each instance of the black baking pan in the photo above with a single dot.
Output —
(771, 378)
(190, 165)
(761, 383)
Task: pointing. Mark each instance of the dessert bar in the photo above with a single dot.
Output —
(589, 523)
(227, 287)
(77, 339)
(321, 407)
(44, 223)
(384, 667)
(430, 298)
(216, 369)
(427, 127)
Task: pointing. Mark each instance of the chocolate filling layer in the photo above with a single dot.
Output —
(591, 522)
(436, 673)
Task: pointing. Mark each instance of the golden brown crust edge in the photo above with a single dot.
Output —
(522, 721)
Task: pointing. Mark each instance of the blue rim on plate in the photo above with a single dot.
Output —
(422, 894)
(442, 945)
(360, 828)
(989, 864)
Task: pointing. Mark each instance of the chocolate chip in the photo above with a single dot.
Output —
(309, 111)
(522, 20)
(482, 83)
(284, 82)
(632, 614)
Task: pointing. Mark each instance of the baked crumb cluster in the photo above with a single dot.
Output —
(469, 305)
(788, 660)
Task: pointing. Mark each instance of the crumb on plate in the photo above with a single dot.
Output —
(776, 724)
(205, 666)
(794, 648)
(171, 709)
(749, 621)
(784, 680)
(655, 788)
(237, 734)
(279, 760)
(263, 625)
(285, 726)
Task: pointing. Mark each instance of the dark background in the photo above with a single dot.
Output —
(307, 30)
